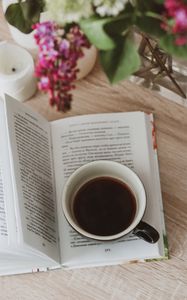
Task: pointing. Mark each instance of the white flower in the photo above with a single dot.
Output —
(109, 7)
(67, 11)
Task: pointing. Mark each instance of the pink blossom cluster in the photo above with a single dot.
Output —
(56, 67)
(176, 20)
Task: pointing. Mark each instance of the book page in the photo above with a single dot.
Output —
(3, 222)
(8, 227)
(121, 137)
(32, 168)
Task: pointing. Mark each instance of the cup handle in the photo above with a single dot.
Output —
(146, 232)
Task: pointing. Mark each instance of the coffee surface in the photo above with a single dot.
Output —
(104, 206)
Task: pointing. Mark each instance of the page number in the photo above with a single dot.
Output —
(107, 250)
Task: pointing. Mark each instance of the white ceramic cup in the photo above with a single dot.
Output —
(104, 168)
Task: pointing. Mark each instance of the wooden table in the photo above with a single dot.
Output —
(143, 281)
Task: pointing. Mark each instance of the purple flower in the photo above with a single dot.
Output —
(64, 47)
(44, 83)
(56, 67)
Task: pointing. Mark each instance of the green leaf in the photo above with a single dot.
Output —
(122, 61)
(168, 44)
(150, 25)
(32, 9)
(95, 32)
(23, 15)
(122, 22)
(149, 6)
(118, 25)
(159, 1)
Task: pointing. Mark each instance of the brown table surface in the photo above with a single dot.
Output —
(143, 281)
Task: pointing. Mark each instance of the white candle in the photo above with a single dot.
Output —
(16, 72)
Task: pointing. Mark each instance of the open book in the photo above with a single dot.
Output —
(36, 158)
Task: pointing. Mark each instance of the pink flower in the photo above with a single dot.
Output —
(181, 19)
(181, 41)
(44, 83)
(176, 20)
(56, 68)
(64, 47)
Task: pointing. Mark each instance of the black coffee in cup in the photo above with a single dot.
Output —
(104, 206)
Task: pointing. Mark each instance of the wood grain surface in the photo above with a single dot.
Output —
(156, 280)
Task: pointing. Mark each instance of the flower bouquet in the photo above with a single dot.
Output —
(110, 25)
